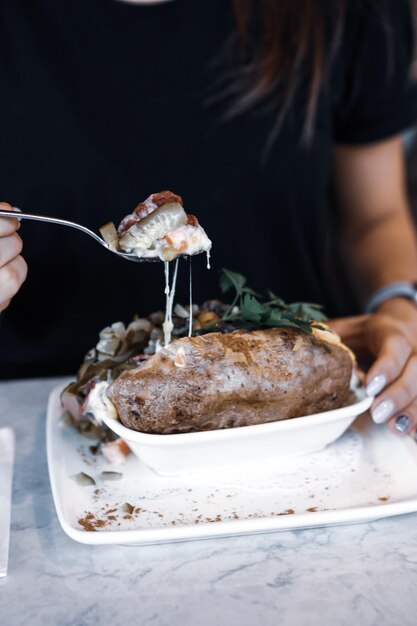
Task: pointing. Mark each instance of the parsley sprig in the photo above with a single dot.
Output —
(249, 306)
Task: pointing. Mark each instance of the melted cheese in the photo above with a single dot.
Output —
(187, 240)
(331, 337)
(190, 314)
(167, 326)
(99, 404)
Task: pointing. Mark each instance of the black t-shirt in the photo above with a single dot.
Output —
(104, 102)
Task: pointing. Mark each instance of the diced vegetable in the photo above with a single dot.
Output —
(109, 234)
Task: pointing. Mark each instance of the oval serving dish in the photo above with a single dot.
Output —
(171, 455)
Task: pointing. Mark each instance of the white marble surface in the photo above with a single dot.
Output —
(364, 575)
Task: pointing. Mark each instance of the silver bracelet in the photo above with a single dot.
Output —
(393, 290)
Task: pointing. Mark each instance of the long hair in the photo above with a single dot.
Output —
(285, 44)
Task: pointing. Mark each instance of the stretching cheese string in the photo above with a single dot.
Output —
(190, 317)
(170, 294)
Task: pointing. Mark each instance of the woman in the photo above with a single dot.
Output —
(104, 102)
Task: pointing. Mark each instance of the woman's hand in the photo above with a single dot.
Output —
(387, 341)
(13, 268)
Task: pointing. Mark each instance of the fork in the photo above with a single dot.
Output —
(54, 220)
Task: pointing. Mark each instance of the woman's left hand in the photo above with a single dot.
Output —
(387, 341)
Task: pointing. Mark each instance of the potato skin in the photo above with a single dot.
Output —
(227, 380)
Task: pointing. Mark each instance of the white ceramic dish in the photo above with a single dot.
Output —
(367, 474)
(171, 455)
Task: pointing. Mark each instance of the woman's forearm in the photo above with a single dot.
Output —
(379, 247)
(378, 236)
(380, 252)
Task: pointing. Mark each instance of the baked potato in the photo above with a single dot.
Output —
(224, 380)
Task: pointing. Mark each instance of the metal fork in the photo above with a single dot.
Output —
(54, 220)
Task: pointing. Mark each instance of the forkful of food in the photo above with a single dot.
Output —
(158, 229)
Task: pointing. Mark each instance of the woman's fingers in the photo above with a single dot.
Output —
(352, 332)
(392, 378)
(380, 337)
(7, 225)
(397, 396)
(12, 276)
(391, 358)
(350, 329)
(13, 268)
(10, 247)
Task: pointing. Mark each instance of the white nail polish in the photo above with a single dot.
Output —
(376, 385)
(383, 411)
(14, 208)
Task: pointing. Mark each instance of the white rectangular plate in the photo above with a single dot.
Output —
(365, 475)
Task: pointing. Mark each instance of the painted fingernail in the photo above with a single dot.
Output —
(402, 423)
(383, 411)
(14, 208)
(376, 385)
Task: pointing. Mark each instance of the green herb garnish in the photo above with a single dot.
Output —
(248, 306)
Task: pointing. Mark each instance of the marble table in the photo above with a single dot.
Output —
(361, 574)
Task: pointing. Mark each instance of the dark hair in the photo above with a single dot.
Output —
(285, 44)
